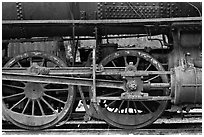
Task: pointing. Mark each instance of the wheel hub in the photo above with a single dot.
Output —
(132, 85)
(33, 90)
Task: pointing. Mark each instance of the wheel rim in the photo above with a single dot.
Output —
(35, 105)
(131, 114)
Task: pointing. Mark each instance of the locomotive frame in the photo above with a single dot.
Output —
(133, 104)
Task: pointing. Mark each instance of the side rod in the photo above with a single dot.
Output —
(75, 81)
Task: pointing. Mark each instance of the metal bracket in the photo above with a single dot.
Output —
(35, 69)
(133, 95)
(87, 116)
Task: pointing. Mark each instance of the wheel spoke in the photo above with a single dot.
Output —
(135, 107)
(120, 105)
(54, 98)
(25, 106)
(33, 107)
(12, 86)
(43, 62)
(31, 62)
(48, 105)
(14, 95)
(152, 78)
(148, 67)
(128, 107)
(113, 63)
(65, 89)
(146, 107)
(114, 109)
(108, 94)
(41, 109)
(17, 103)
(19, 64)
(125, 59)
(44, 85)
(111, 103)
(137, 63)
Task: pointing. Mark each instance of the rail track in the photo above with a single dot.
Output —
(186, 124)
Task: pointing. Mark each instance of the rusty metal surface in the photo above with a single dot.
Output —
(136, 98)
(45, 39)
(187, 86)
(84, 11)
(185, 60)
(187, 45)
(38, 10)
(87, 71)
(27, 104)
(94, 22)
(15, 49)
(118, 10)
(101, 10)
(84, 27)
(72, 81)
(145, 92)
(62, 80)
(131, 112)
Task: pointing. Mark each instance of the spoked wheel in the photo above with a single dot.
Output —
(131, 113)
(31, 105)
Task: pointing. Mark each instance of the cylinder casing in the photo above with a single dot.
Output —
(186, 85)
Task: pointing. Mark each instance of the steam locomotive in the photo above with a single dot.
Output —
(49, 64)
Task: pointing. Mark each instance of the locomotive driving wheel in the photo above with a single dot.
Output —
(131, 113)
(36, 105)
